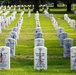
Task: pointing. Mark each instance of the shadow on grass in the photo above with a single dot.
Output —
(57, 8)
(61, 12)
(56, 65)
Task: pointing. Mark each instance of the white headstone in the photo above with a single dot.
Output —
(73, 58)
(4, 57)
(72, 23)
(51, 15)
(37, 16)
(62, 36)
(40, 58)
(17, 31)
(38, 29)
(67, 44)
(11, 43)
(39, 35)
(29, 13)
(37, 23)
(2, 25)
(39, 42)
(13, 35)
(59, 30)
(6, 22)
(65, 16)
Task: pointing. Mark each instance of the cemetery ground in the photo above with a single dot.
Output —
(23, 62)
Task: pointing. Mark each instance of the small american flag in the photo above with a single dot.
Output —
(40, 60)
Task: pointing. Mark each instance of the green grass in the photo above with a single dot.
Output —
(23, 62)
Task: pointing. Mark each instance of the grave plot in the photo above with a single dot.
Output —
(67, 44)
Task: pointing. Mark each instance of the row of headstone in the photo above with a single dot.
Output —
(5, 21)
(9, 50)
(67, 44)
(20, 5)
(14, 35)
(16, 6)
(29, 6)
(40, 51)
(70, 21)
(46, 13)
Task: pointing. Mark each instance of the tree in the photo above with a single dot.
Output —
(36, 5)
(69, 4)
(42, 2)
(55, 3)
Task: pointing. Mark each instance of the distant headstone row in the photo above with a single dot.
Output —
(18, 7)
(70, 21)
(8, 50)
(40, 51)
(5, 21)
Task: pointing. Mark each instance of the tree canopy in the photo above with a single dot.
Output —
(37, 3)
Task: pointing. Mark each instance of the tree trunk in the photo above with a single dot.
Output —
(69, 7)
(36, 5)
(55, 3)
(42, 2)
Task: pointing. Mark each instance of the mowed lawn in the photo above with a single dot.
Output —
(23, 62)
